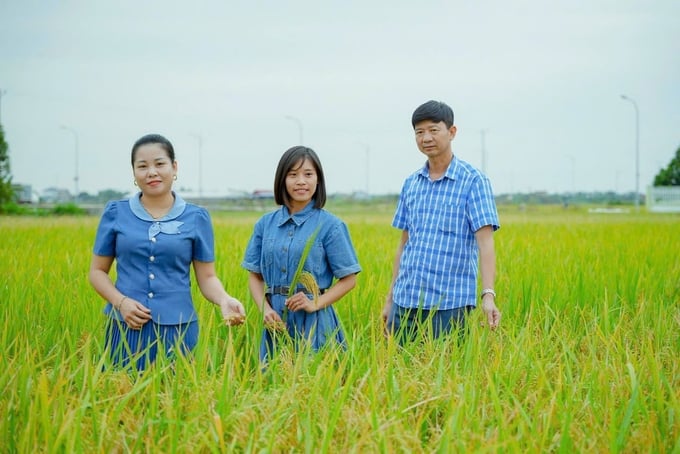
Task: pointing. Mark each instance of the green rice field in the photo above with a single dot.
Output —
(586, 358)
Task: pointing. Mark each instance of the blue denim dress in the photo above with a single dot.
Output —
(274, 251)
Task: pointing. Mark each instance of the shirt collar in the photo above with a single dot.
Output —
(165, 224)
(450, 170)
(138, 209)
(298, 218)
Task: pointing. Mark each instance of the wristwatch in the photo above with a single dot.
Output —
(487, 291)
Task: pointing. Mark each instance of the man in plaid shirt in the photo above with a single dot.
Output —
(447, 215)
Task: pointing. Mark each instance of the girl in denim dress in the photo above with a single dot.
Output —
(276, 247)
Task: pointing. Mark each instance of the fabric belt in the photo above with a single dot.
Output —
(284, 289)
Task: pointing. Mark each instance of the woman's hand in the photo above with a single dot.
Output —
(134, 313)
(233, 312)
(299, 301)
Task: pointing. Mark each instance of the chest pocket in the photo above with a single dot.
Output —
(316, 261)
(268, 251)
(451, 219)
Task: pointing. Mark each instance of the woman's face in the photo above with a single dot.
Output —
(153, 170)
(301, 182)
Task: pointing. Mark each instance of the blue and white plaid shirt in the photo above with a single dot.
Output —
(438, 268)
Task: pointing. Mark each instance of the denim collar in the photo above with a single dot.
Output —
(283, 215)
(166, 224)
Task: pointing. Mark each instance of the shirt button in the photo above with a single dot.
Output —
(152, 258)
(283, 270)
(153, 240)
(151, 276)
(290, 233)
(285, 249)
(150, 295)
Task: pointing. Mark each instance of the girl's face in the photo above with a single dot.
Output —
(301, 182)
(153, 170)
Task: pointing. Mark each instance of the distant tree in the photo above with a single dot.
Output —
(6, 192)
(670, 176)
(109, 194)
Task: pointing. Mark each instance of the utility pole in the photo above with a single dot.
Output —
(76, 177)
(367, 151)
(200, 163)
(637, 151)
(483, 134)
(573, 173)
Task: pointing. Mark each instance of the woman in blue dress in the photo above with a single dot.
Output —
(275, 249)
(154, 237)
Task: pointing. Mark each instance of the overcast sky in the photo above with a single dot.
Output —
(234, 84)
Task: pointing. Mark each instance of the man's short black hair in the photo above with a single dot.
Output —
(434, 111)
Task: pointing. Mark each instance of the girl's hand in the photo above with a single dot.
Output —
(233, 312)
(272, 320)
(134, 313)
(299, 301)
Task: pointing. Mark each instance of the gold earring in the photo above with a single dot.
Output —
(134, 182)
(174, 177)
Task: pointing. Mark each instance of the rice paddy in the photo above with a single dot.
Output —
(585, 359)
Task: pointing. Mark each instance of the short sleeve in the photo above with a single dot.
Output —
(204, 241)
(482, 206)
(105, 240)
(253, 254)
(340, 251)
(400, 219)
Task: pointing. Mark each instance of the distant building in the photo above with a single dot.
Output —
(263, 194)
(23, 193)
(663, 199)
(56, 195)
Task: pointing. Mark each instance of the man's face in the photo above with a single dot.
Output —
(434, 139)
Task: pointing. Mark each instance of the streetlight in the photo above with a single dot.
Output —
(75, 178)
(573, 173)
(637, 151)
(367, 150)
(483, 133)
(299, 125)
(200, 163)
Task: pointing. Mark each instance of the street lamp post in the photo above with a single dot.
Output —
(299, 125)
(573, 173)
(637, 151)
(367, 150)
(483, 136)
(368, 154)
(76, 177)
(200, 163)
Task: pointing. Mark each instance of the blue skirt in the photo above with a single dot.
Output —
(141, 347)
(316, 329)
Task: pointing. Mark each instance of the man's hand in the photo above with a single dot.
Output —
(493, 315)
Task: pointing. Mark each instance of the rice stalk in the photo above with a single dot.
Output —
(308, 282)
(305, 277)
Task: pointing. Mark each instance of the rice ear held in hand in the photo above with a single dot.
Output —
(304, 277)
(307, 281)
